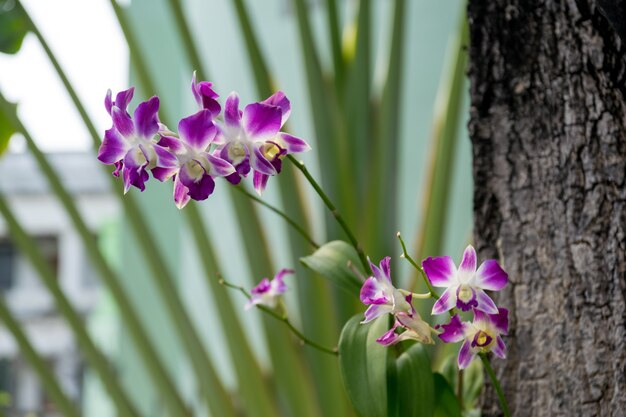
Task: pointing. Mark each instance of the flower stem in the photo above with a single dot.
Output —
(496, 384)
(459, 390)
(405, 254)
(333, 210)
(282, 214)
(305, 340)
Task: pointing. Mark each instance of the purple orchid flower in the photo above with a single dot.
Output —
(252, 139)
(481, 336)
(465, 287)
(267, 293)
(129, 144)
(195, 167)
(205, 96)
(379, 293)
(414, 329)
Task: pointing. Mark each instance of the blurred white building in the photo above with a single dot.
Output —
(44, 218)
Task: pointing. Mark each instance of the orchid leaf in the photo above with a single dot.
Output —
(446, 402)
(13, 27)
(363, 365)
(332, 262)
(414, 384)
(6, 131)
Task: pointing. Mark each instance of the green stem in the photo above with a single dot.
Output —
(405, 255)
(126, 408)
(459, 388)
(187, 39)
(496, 384)
(282, 318)
(66, 407)
(285, 217)
(333, 210)
(93, 355)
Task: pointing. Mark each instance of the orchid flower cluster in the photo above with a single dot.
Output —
(464, 290)
(208, 144)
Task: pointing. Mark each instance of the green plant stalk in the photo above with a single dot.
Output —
(93, 355)
(137, 59)
(72, 211)
(357, 110)
(496, 384)
(382, 203)
(49, 381)
(260, 71)
(333, 210)
(291, 373)
(321, 323)
(184, 29)
(444, 138)
(331, 133)
(282, 317)
(251, 382)
(283, 215)
(204, 370)
(332, 20)
(288, 366)
(152, 361)
(284, 357)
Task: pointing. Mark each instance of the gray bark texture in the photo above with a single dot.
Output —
(548, 130)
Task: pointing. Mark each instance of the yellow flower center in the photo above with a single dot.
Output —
(465, 293)
(270, 151)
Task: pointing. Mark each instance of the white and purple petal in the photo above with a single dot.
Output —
(146, 118)
(232, 116)
(259, 181)
(490, 276)
(258, 162)
(500, 321)
(205, 96)
(122, 122)
(113, 147)
(121, 99)
(172, 143)
(390, 337)
(468, 263)
(376, 310)
(197, 130)
(261, 121)
(372, 292)
(278, 285)
(197, 181)
(446, 302)
(218, 167)
(440, 271)
(466, 355)
(291, 143)
(454, 331)
(280, 100)
(499, 348)
(484, 303)
(181, 198)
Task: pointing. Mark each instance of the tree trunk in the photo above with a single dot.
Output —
(548, 128)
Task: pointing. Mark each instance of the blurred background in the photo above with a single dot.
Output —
(406, 106)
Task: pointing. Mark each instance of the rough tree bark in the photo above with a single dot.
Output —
(548, 128)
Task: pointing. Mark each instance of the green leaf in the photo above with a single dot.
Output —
(446, 402)
(363, 364)
(331, 261)
(13, 27)
(473, 379)
(415, 387)
(6, 131)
